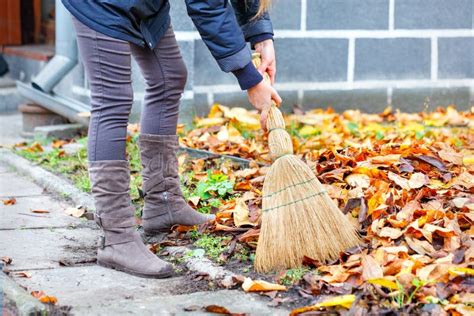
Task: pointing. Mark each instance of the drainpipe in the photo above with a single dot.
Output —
(41, 89)
(66, 53)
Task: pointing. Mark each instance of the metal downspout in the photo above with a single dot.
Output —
(65, 57)
(41, 89)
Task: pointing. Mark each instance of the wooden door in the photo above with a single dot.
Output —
(10, 22)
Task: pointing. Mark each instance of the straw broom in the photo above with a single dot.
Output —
(298, 216)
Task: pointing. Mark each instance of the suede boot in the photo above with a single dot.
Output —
(121, 248)
(164, 202)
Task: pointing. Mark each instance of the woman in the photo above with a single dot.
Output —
(108, 33)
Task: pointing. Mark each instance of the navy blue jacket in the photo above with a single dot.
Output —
(224, 28)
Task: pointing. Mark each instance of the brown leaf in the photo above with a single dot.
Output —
(9, 201)
(23, 274)
(216, 309)
(451, 156)
(7, 260)
(435, 162)
(371, 268)
(40, 211)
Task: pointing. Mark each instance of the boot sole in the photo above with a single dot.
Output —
(141, 275)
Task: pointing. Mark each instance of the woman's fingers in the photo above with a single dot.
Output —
(263, 67)
(263, 117)
(276, 97)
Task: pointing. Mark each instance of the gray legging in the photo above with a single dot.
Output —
(107, 63)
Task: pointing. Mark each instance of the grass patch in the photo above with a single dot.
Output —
(213, 246)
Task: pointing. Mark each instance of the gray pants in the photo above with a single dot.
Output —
(107, 63)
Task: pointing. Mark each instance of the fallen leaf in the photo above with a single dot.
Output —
(371, 268)
(195, 200)
(7, 260)
(250, 285)
(461, 271)
(40, 211)
(384, 282)
(43, 298)
(451, 156)
(216, 309)
(75, 212)
(23, 274)
(358, 180)
(343, 301)
(417, 180)
(241, 214)
(392, 233)
(10, 201)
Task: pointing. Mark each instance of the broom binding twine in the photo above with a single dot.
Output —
(299, 218)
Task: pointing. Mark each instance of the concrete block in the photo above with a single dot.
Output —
(17, 186)
(4, 169)
(10, 99)
(347, 14)
(201, 104)
(456, 58)
(417, 100)
(309, 59)
(433, 14)
(20, 215)
(95, 286)
(46, 248)
(187, 52)
(397, 58)
(23, 69)
(179, 17)
(61, 131)
(286, 14)
(366, 100)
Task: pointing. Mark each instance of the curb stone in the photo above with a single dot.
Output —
(25, 304)
(46, 179)
(56, 184)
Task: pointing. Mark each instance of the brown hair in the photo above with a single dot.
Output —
(264, 6)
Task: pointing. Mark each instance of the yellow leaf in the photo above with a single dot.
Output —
(461, 271)
(385, 283)
(343, 300)
(215, 111)
(308, 130)
(250, 285)
(468, 160)
(205, 122)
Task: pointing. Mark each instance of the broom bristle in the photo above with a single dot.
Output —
(299, 219)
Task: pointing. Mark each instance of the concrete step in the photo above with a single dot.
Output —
(10, 99)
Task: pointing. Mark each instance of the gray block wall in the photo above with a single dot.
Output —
(412, 54)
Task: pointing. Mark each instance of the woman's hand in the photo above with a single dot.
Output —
(267, 53)
(261, 96)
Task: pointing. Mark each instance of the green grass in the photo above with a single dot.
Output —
(213, 246)
(293, 276)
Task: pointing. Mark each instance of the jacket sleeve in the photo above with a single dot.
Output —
(216, 22)
(254, 29)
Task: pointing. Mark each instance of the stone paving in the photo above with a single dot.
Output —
(58, 252)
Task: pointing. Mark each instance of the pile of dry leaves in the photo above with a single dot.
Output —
(406, 180)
